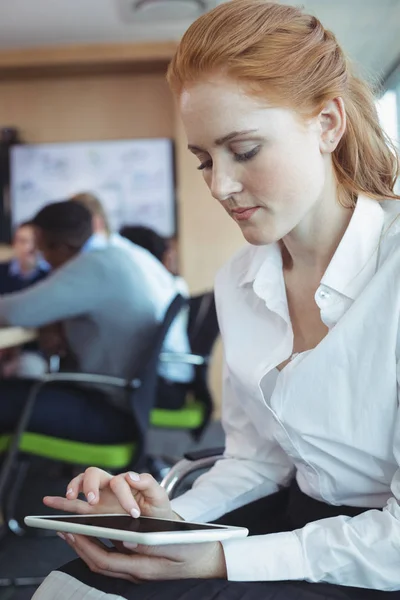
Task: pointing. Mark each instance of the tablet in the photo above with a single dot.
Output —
(143, 530)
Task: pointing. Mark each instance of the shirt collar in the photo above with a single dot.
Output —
(266, 275)
(97, 241)
(353, 264)
(262, 256)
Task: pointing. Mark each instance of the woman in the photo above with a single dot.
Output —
(25, 269)
(289, 143)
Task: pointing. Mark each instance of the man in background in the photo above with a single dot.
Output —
(163, 286)
(102, 303)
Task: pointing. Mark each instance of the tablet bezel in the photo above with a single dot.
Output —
(215, 533)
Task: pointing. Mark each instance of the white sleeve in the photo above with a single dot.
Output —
(362, 551)
(252, 467)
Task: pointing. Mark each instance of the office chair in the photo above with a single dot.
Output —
(140, 399)
(203, 331)
(191, 463)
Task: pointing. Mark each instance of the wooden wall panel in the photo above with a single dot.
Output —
(108, 105)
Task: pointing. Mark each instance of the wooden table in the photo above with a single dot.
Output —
(15, 336)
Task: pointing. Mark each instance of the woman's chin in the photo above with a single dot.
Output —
(258, 237)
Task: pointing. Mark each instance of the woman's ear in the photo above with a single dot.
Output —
(332, 122)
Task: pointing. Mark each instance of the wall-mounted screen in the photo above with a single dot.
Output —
(134, 179)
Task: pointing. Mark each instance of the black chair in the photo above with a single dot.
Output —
(140, 401)
(203, 331)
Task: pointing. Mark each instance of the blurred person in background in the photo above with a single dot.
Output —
(102, 304)
(171, 257)
(164, 250)
(163, 287)
(26, 268)
(27, 265)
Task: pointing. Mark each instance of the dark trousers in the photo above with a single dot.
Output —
(287, 510)
(65, 411)
(70, 412)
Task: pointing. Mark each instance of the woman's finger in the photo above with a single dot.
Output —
(74, 487)
(93, 481)
(123, 492)
(71, 541)
(149, 487)
(103, 560)
(64, 504)
(172, 552)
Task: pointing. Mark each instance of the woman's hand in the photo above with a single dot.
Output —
(150, 563)
(129, 492)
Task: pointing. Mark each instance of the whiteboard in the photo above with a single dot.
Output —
(134, 179)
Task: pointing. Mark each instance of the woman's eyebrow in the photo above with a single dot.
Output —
(222, 140)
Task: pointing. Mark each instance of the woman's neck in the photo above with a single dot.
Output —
(310, 247)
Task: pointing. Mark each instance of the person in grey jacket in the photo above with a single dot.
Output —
(104, 308)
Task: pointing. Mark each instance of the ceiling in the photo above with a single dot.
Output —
(368, 29)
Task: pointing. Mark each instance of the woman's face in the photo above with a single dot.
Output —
(263, 164)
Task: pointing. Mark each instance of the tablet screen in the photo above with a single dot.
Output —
(140, 525)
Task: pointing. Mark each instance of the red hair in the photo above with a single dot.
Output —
(288, 57)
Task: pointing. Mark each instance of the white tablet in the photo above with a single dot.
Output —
(143, 530)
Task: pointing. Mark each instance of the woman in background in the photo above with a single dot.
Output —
(289, 143)
(26, 268)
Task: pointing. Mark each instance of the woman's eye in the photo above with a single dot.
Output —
(247, 155)
(207, 164)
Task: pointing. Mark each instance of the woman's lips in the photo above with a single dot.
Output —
(244, 214)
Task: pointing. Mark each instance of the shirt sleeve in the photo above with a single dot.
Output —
(253, 466)
(362, 551)
(68, 292)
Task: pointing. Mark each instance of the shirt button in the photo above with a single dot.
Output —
(323, 294)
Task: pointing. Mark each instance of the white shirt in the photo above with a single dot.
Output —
(330, 417)
(163, 288)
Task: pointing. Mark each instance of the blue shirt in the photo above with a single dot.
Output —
(97, 241)
(12, 279)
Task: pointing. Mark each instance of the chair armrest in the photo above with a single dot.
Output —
(183, 357)
(206, 453)
(193, 461)
(90, 378)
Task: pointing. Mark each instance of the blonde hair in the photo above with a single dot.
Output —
(287, 56)
(94, 206)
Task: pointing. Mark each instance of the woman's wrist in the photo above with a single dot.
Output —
(216, 564)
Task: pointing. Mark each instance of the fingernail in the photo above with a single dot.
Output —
(61, 535)
(70, 491)
(134, 476)
(135, 513)
(91, 496)
(70, 537)
(130, 546)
